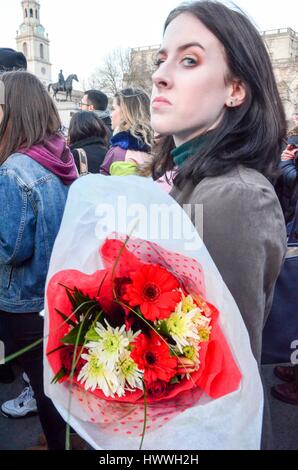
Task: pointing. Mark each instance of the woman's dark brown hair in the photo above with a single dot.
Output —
(85, 124)
(250, 134)
(30, 116)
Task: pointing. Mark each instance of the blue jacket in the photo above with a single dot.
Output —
(32, 201)
(287, 187)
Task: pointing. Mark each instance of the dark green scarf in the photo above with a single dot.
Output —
(181, 153)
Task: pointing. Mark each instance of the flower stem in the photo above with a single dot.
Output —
(145, 416)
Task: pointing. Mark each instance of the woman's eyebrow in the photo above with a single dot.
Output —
(183, 47)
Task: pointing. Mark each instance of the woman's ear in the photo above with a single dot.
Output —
(237, 94)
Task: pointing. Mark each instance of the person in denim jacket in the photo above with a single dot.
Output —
(36, 169)
(9, 60)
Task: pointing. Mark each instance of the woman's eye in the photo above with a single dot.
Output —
(158, 62)
(189, 61)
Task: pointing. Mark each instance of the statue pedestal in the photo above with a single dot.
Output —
(67, 108)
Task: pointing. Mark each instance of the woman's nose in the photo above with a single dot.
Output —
(161, 78)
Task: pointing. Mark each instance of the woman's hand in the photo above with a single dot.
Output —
(289, 153)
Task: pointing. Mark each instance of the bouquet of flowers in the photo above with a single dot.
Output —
(134, 327)
(137, 336)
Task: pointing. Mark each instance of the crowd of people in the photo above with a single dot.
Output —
(213, 133)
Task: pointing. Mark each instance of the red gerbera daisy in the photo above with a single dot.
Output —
(153, 289)
(152, 355)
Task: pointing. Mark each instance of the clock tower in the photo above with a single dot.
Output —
(34, 43)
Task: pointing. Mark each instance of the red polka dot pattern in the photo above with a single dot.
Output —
(128, 419)
(187, 270)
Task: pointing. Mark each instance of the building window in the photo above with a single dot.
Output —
(41, 51)
(25, 49)
(31, 13)
(43, 70)
(26, 13)
(36, 15)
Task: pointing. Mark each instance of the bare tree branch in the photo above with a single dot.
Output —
(122, 68)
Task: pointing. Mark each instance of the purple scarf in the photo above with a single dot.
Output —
(54, 155)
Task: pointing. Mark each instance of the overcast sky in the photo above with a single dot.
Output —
(81, 33)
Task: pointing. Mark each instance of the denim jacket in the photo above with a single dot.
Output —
(32, 201)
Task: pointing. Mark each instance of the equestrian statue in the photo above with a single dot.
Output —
(63, 85)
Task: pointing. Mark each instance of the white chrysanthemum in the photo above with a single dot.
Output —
(95, 374)
(112, 343)
(203, 326)
(128, 373)
(202, 321)
(188, 304)
(182, 328)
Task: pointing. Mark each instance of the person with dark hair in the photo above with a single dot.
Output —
(287, 184)
(36, 170)
(87, 132)
(216, 106)
(97, 101)
(11, 60)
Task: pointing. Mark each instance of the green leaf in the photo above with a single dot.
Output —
(91, 335)
(80, 332)
(65, 318)
(71, 298)
(162, 328)
(56, 349)
(174, 380)
(62, 372)
(71, 337)
(65, 287)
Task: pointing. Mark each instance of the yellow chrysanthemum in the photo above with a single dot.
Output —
(190, 352)
(204, 333)
(188, 304)
(181, 328)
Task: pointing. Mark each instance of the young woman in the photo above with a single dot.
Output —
(132, 139)
(216, 103)
(36, 169)
(88, 132)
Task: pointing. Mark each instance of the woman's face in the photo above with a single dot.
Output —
(116, 114)
(1, 113)
(189, 88)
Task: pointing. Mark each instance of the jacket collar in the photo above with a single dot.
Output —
(127, 141)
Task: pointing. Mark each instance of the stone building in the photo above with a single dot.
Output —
(282, 45)
(33, 41)
(142, 64)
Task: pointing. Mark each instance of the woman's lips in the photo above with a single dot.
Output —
(160, 102)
